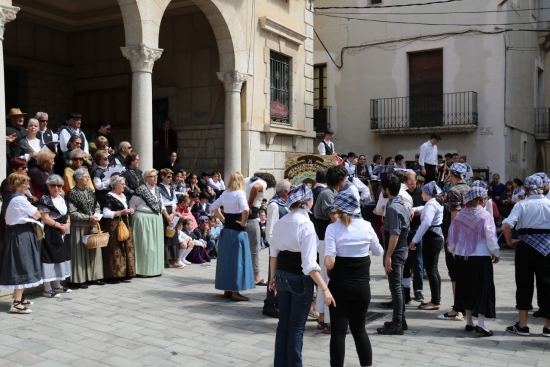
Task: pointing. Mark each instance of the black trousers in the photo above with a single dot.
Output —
(430, 173)
(531, 264)
(432, 244)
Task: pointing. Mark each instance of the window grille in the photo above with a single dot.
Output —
(280, 84)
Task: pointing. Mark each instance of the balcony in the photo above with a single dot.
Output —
(448, 112)
(542, 123)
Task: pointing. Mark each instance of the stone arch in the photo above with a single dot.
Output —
(142, 21)
(228, 32)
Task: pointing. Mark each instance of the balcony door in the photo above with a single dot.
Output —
(426, 88)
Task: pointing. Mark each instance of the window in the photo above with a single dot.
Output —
(320, 112)
(280, 88)
(426, 88)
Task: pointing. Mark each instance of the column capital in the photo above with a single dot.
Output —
(232, 80)
(142, 58)
(7, 14)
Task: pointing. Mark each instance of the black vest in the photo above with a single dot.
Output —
(282, 210)
(328, 148)
(46, 136)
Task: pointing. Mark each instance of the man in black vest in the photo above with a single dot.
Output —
(44, 134)
(276, 209)
(326, 147)
(75, 120)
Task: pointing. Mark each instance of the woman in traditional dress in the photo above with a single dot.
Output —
(20, 254)
(148, 227)
(102, 187)
(86, 264)
(30, 145)
(55, 251)
(169, 200)
(234, 271)
(40, 173)
(133, 175)
(119, 258)
(77, 159)
(294, 270)
(472, 240)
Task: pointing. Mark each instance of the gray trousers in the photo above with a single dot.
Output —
(254, 238)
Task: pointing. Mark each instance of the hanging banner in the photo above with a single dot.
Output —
(302, 168)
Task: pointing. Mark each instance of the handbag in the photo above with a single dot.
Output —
(169, 232)
(122, 231)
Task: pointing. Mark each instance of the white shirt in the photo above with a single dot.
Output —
(258, 199)
(139, 205)
(233, 202)
(321, 147)
(182, 236)
(372, 167)
(101, 185)
(531, 212)
(364, 191)
(382, 201)
(108, 213)
(489, 207)
(350, 167)
(64, 137)
(428, 154)
(19, 210)
(165, 201)
(432, 215)
(295, 232)
(219, 185)
(272, 218)
(35, 145)
(352, 241)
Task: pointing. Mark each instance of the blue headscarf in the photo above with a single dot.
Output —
(459, 169)
(475, 192)
(346, 202)
(430, 187)
(299, 192)
(479, 183)
(536, 183)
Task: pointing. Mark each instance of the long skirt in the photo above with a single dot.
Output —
(475, 288)
(119, 258)
(234, 266)
(171, 244)
(86, 265)
(20, 258)
(149, 243)
(55, 254)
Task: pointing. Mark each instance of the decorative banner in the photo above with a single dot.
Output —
(278, 110)
(301, 167)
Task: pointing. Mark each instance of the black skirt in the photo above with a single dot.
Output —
(475, 288)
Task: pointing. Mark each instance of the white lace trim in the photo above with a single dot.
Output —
(20, 286)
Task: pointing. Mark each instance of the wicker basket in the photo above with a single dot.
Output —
(169, 232)
(96, 240)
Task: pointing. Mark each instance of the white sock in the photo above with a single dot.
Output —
(481, 321)
(406, 282)
(469, 320)
(47, 287)
(56, 284)
(181, 253)
(185, 253)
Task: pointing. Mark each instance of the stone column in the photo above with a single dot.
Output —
(232, 82)
(142, 59)
(7, 14)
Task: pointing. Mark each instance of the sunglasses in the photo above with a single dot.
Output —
(105, 159)
(77, 159)
(155, 176)
(58, 186)
(168, 176)
(42, 120)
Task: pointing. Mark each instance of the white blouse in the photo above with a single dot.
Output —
(432, 215)
(19, 210)
(60, 204)
(295, 232)
(352, 241)
(233, 202)
(35, 145)
(108, 213)
(139, 205)
(260, 195)
(165, 201)
(220, 185)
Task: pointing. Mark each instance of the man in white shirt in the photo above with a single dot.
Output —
(75, 120)
(326, 147)
(350, 164)
(428, 158)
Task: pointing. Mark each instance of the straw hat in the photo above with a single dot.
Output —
(15, 112)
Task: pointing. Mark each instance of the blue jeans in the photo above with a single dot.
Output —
(295, 293)
(417, 263)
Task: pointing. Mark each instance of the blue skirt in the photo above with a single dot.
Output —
(234, 265)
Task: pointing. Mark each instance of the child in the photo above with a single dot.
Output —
(198, 254)
(215, 232)
(185, 242)
(183, 209)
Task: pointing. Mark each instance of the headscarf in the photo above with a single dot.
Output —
(346, 201)
(479, 183)
(459, 169)
(277, 199)
(536, 183)
(299, 192)
(430, 187)
(474, 193)
(544, 177)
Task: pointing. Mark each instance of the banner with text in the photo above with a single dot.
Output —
(301, 167)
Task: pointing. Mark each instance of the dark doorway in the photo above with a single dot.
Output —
(11, 88)
(160, 112)
(426, 88)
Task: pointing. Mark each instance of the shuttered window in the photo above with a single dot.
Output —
(426, 88)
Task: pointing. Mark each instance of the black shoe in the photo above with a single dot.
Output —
(482, 332)
(546, 332)
(469, 328)
(386, 304)
(391, 329)
(271, 313)
(537, 314)
(407, 293)
(418, 297)
(404, 325)
(516, 329)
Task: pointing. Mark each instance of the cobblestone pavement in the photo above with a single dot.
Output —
(179, 319)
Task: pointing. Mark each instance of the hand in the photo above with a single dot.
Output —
(412, 246)
(423, 171)
(436, 169)
(513, 243)
(329, 299)
(11, 138)
(272, 286)
(111, 151)
(495, 259)
(130, 211)
(170, 222)
(241, 223)
(387, 264)
(93, 221)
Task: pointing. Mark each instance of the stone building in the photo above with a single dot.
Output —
(235, 77)
(473, 71)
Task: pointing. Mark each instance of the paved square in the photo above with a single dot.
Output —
(179, 319)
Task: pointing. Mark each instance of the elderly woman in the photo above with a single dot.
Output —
(29, 146)
(40, 173)
(234, 271)
(17, 165)
(133, 175)
(148, 227)
(119, 261)
(86, 264)
(77, 158)
(101, 185)
(169, 200)
(20, 253)
(294, 270)
(472, 240)
(55, 251)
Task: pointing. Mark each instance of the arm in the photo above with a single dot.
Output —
(491, 238)
(75, 214)
(375, 246)
(321, 149)
(99, 185)
(256, 188)
(510, 223)
(391, 247)
(422, 155)
(63, 139)
(272, 270)
(272, 218)
(427, 219)
(330, 247)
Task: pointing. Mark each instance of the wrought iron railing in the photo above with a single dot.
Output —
(542, 120)
(448, 109)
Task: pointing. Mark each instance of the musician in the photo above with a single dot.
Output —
(444, 173)
(326, 147)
